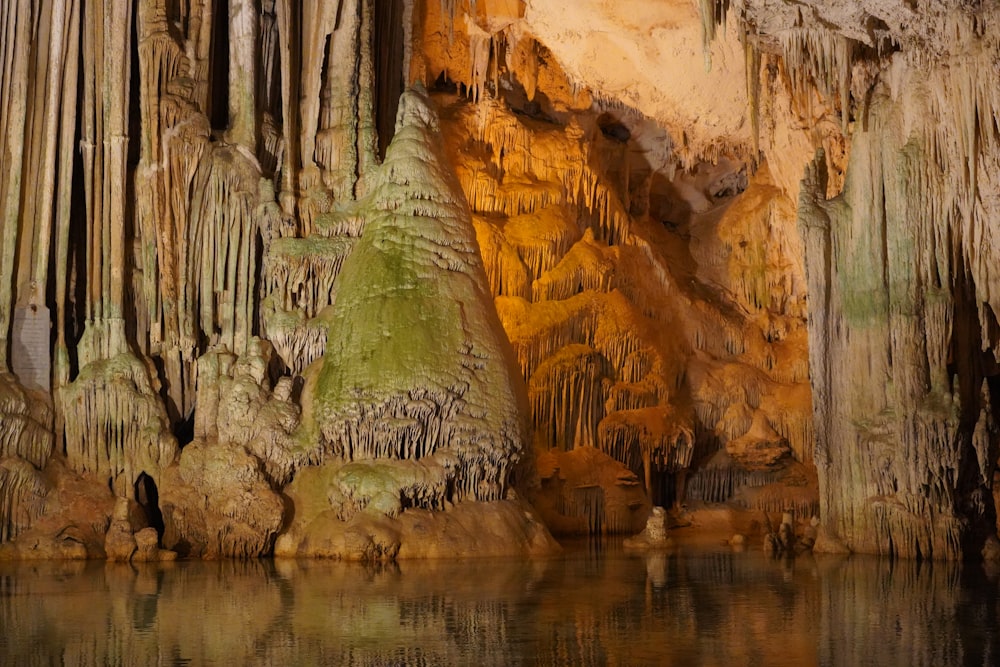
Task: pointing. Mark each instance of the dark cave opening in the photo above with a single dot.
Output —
(664, 488)
(148, 497)
(388, 47)
(218, 103)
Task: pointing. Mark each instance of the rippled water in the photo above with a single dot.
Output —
(595, 606)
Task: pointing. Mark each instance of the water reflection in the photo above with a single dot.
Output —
(591, 607)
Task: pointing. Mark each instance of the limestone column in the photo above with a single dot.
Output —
(243, 71)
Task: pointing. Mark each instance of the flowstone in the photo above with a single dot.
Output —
(417, 404)
(416, 360)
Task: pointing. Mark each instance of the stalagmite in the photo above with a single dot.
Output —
(219, 498)
(426, 369)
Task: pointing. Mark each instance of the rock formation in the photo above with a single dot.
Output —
(598, 260)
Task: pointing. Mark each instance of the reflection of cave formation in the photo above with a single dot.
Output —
(241, 268)
(501, 612)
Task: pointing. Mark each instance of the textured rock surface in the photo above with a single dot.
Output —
(253, 276)
(416, 361)
(586, 491)
(656, 314)
(216, 502)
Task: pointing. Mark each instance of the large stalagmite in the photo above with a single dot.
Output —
(416, 362)
(417, 404)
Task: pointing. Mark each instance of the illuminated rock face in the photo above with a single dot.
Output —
(657, 315)
(583, 266)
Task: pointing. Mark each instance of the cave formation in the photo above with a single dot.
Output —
(378, 279)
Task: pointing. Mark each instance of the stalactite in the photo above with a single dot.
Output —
(591, 493)
(716, 333)
(22, 496)
(586, 266)
(722, 477)
(480, 52)
(522, 59)
(713, 15)
(534, 170)
(300, 272)
(173, 140)
(751, 63)
(17, 17)
(820, 59)
(299, 279)
(50, 119)
(789, 412)
(541, 237)
(318, 19)
(25, 423)
(268, 83)
(221, 294)
(567, 398)
(505, 271)
(647, 440)
(116, 426)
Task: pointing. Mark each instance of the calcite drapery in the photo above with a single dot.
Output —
(902, 310)
(623, 347)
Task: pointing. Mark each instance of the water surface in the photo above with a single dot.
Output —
(597, 605)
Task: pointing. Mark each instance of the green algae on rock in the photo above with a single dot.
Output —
(416, 360)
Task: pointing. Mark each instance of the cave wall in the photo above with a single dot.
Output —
(907, 462)
(170, 329)
(648, 272)
(612, 200)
